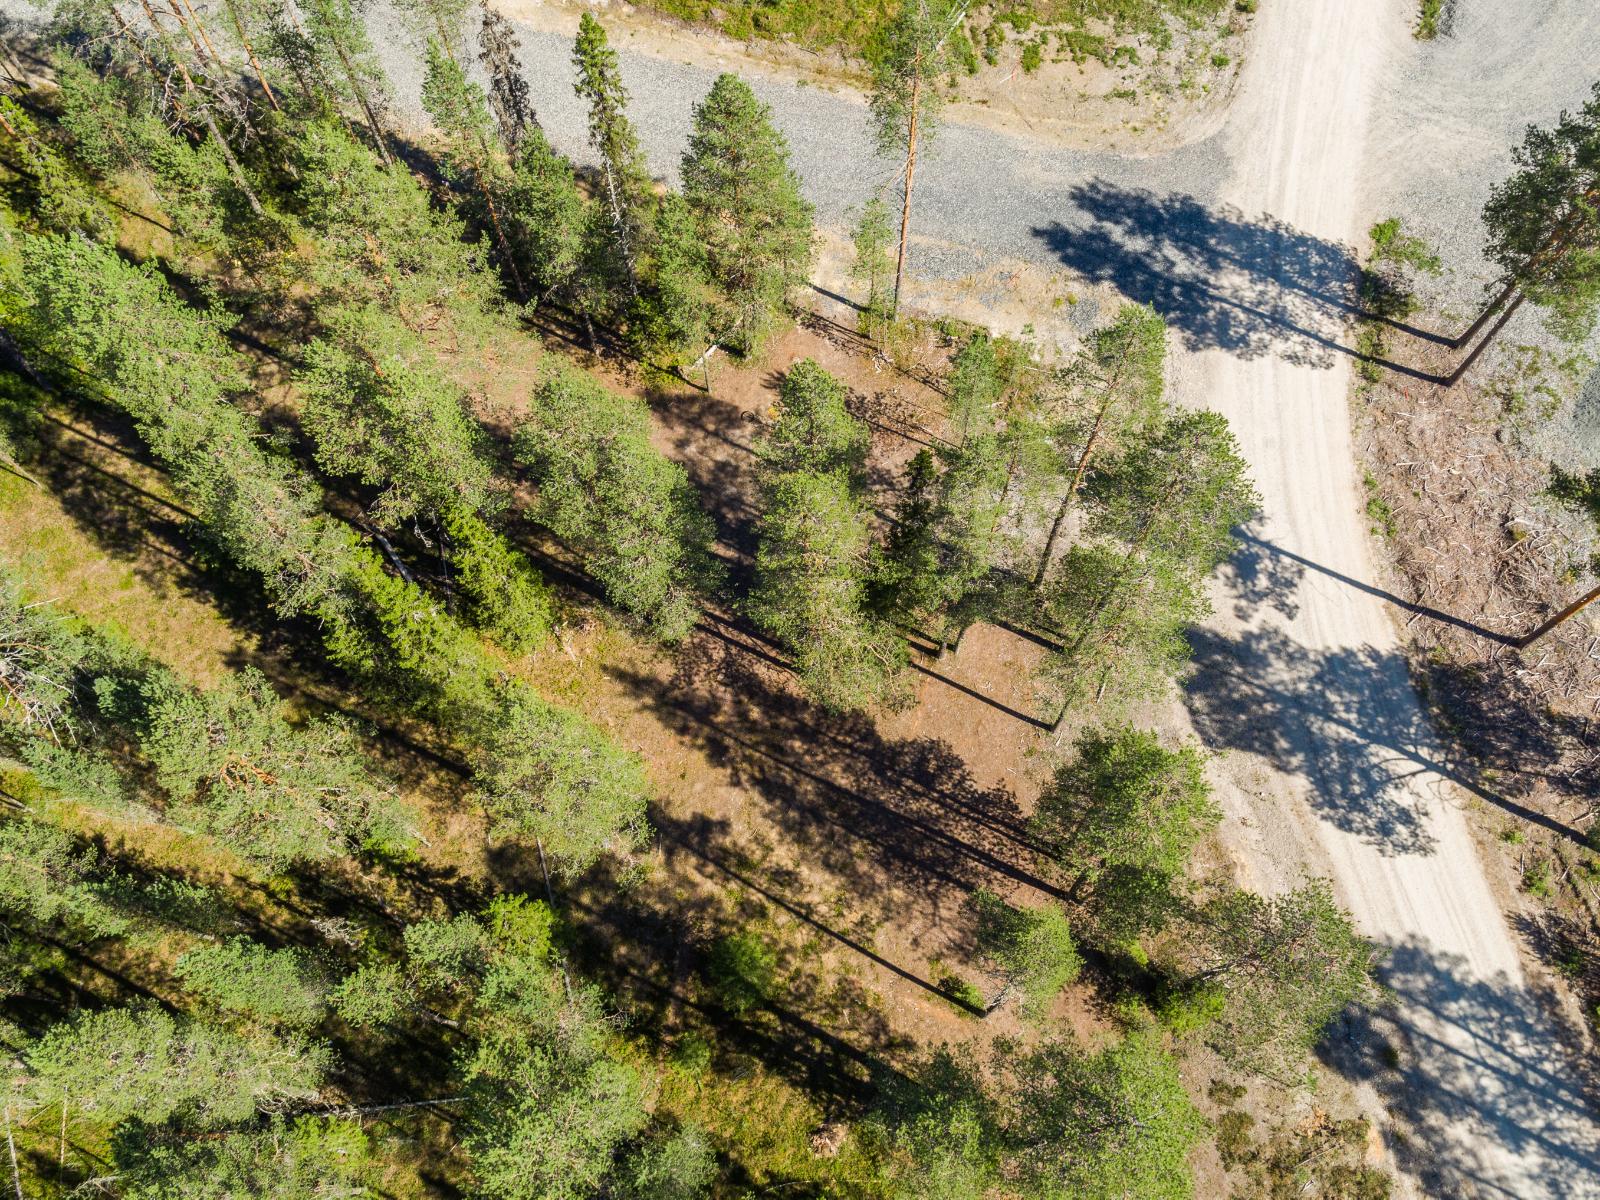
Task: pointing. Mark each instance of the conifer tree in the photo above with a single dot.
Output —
(548, 219)
(624, 181)
(278, 988)
(1100, 1126)
(1543, 226)
(629, 511)
(747, 206)
(871, 264)
(1034, 947)
(118, 1064)
(1119, 379)
(459, 108)
(508, 89)
(675, 320)
(905, 101)
(315, 1157)
(1284, 967)
(336, 31)
(973, 388)
(1163, 515)
(1121, 819)
(815, 431)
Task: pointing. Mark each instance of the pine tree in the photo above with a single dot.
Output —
(459, 108)
(810, 591)
(1543, 226)
(746, 202)
(1284, 966)
(629, 511)
(119, 1064)
(508, 89)
(973, 388)
(871, 264)
(815, 431)
(320, 1157)
(905, 101)
(233, 767)
(548, 218)
(1163, 514)
(1101, 1126)
(1121, 819)
(624, 191)
(336, 31)
(278, 988)
(1119, 379)
(674, 321)
(1033, 947)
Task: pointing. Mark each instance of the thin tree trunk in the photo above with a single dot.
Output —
(911, 172)
(545, 871)
(16, 1172)
(1483, 317)
(61, 1159)
(234, 169)
(1488, 338)
(1066, 501)
(1565, 614)
(250, 53)
(187, 32)
(361, 98)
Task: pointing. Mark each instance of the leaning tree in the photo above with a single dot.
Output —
(1543, 230)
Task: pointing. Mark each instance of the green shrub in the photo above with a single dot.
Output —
(1536, 879)
(744, 971)
(1429, 14)
(1184, 1010)
(1032, 56)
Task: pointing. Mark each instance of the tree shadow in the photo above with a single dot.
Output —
(1249, 286)
(1479, 1076)
(899, 826)
(1347, 720)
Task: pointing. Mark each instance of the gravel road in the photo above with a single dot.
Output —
(1244, 242)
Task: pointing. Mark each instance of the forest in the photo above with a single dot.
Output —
(248, 952)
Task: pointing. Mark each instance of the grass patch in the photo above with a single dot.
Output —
(961, 992)
(1379, 511)
(1430, 14)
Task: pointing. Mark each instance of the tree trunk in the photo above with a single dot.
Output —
(250, 53)
(361, 98)
(1066, 501)
(234, 169)
(1483, 317)
(1565, 614)
(1494, 332)
(911, 173)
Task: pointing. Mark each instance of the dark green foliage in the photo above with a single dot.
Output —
(47, 880)
(942, 1132)
(1121, 819)
(503, 592)
(54, 192)
(1034, 948)
(1102, 1126)
(674, 321)
(744, 971)
(747, 207)
(376, 409)
(508, 90)
(1581, 492)
(1286, 966)
(40, 662)
(681, 1166)
(310, 1158)
(628, 510)
(139, 1062)
(1543, 222)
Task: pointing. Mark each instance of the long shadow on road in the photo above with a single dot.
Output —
(1476, 1056)
(1252, 286)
